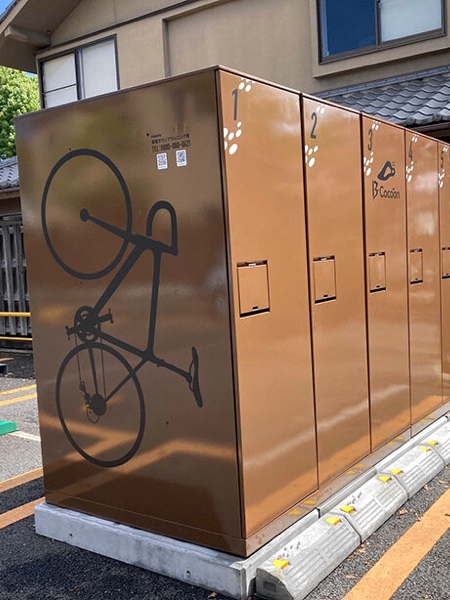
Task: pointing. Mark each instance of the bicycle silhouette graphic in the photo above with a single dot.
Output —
(95, 372)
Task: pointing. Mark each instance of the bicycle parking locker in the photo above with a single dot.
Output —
(237, 309)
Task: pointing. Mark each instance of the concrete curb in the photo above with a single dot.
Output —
(398, 478)
(372, 505)
(291, 565)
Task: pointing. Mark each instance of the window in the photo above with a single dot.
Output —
(82, 73)
(354, 26)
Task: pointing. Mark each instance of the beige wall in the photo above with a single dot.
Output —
(275, 40)
(248, 35)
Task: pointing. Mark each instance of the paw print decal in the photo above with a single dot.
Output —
(231, 138)
(312, 148)
(410, 168)
(441, 176)
(231, 135)
(310, 159)
(368, 160)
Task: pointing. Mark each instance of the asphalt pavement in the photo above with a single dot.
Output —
(38, 568)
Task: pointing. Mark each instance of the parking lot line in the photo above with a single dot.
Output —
(20, 479)
(26, 436)
(17, 390)
(18, 399)
(19, 513)
(388, 574)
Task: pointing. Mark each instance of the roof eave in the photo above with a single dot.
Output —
(26, 27)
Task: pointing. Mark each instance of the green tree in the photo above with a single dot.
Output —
(19, 94)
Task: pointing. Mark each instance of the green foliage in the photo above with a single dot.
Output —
(19, 94)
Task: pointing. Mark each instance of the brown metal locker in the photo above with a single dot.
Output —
(166, 244)
(444, 208)
(265, 216)
(424, 274)
(387, 289)
(335, 237)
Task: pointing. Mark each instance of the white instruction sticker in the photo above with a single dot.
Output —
(161, 161)
(181, 158)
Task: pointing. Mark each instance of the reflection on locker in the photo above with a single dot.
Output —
(335, 234)
(424, 274)
(387, 292)
(159, 406)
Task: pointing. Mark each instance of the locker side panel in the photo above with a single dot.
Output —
(444, 208)
(335, 234)
(387, 292)
(263, 178)
(424, 274)
(123, 211)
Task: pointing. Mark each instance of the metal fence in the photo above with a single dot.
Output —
(14, 296)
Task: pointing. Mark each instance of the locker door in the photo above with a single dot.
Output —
(424, 274)
(387, 289)
(262, 155)
(335, 235)
(444, 207)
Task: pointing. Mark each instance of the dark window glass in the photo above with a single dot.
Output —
(350, 25)
(347, 25)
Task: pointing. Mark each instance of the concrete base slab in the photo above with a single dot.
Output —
(210, 569)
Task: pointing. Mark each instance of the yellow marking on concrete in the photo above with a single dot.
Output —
(17, 514)
(20, 479)
(280, 563)
(388, 574)
(17, 390)
(18, 399)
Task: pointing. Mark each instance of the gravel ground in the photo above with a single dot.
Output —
(19, 364)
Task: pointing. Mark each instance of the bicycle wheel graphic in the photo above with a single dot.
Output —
(100, 404)
(83, 180)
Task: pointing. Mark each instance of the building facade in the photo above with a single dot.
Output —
(82, 48)
(389, 59)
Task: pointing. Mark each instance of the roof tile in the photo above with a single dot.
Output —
(410, 100)
(9, 173)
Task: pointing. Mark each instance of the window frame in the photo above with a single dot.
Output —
(77, 53)
(379, 46)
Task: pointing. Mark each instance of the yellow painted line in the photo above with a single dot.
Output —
(20, 479)
(17, 390)
(388, 574)
(17, 514)
(18, 399)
